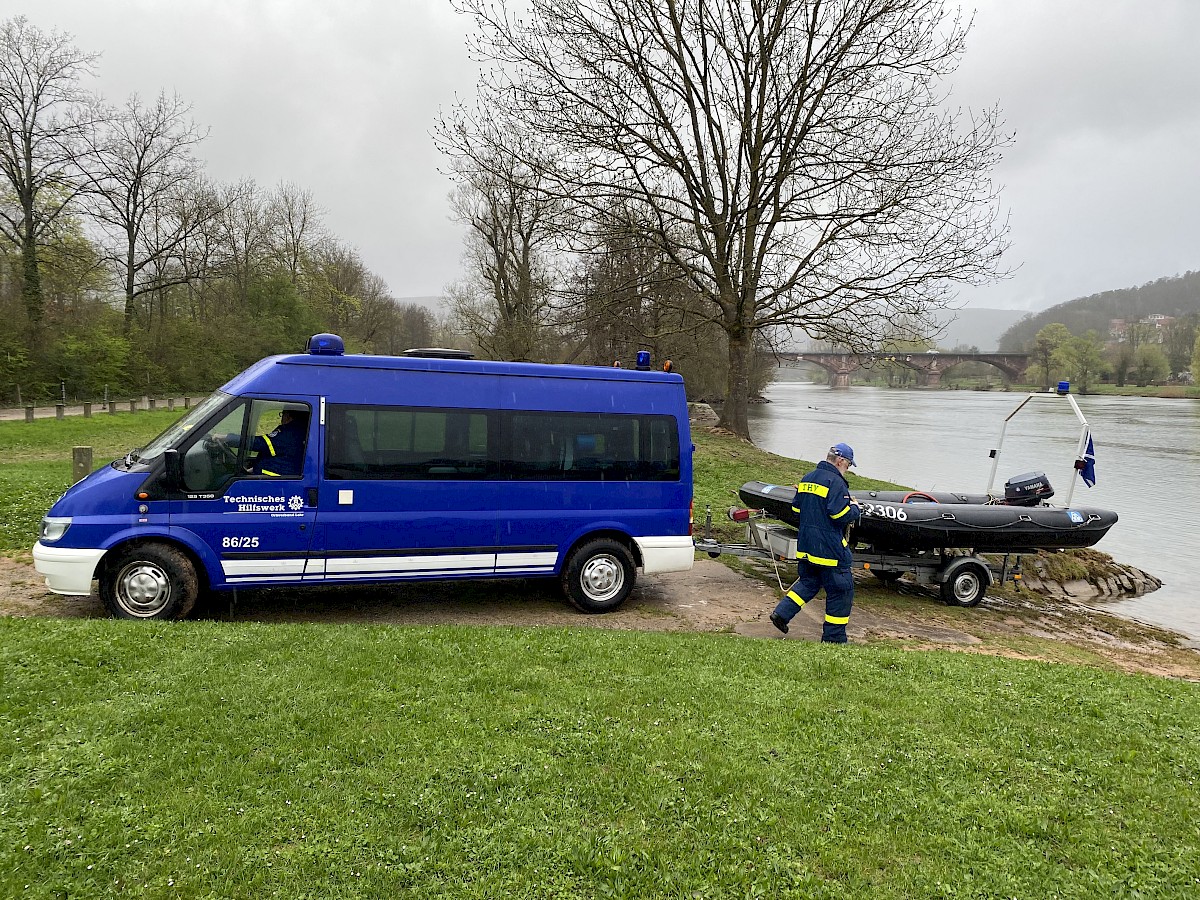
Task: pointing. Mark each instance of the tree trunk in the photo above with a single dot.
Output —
(31, 289)
(735, 412)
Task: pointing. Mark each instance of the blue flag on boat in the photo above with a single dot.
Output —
(1088, 470)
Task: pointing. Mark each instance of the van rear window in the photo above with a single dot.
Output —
(541, 446)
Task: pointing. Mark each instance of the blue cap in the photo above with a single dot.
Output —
(845, 451)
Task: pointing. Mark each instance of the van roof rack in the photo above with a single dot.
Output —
(438, 353)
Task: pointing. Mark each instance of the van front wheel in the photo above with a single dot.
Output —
(599, 576)
(150, 581)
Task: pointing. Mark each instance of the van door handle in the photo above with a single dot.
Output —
(312, 496)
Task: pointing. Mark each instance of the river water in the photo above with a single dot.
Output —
(1147, 463)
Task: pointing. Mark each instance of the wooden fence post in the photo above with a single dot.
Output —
(59, 411)
(87, 410)
(81, 463)
(29, 413)
(133, 406)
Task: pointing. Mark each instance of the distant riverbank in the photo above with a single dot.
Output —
(1162, 391)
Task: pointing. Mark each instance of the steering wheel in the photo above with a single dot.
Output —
(919, 495)
(217, 443)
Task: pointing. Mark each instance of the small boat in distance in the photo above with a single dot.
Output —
(903, 521)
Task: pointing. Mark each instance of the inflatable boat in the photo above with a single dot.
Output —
(893, 521)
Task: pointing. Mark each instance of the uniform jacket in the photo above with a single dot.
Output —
(823, 506)
(282, 451)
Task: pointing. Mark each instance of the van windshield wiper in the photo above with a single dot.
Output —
(132, 456)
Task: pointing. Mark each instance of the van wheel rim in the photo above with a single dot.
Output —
(602, 577)
(143, 589)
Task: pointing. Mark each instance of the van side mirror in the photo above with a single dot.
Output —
(174, 470)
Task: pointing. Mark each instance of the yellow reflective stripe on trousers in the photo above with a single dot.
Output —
(842, 513)
(270, 446)
(794, 597)
(816, 560)
(805, 487)
(837, 620)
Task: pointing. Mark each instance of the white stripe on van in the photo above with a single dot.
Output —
(401, 576)
(264, 566)
(261, 579)
(506, 561)
(424, 565)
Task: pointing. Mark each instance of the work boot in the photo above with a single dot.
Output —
(779, 622)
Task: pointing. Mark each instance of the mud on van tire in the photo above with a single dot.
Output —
(149, 581)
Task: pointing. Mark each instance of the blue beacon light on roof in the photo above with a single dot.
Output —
(326, 345)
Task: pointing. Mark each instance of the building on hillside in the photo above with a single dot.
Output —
(1152, 329)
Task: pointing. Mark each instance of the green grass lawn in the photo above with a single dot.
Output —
(203, 759)
(207, 759)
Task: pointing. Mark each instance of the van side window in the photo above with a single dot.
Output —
(365, 442)
(276, 439)
(211, 462)
(541, 446)
(269, 443)
(373, 442)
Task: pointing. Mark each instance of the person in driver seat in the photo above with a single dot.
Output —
(281, 452)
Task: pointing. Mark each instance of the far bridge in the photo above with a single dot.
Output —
(928, 366)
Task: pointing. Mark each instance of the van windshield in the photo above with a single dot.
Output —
(179, 430)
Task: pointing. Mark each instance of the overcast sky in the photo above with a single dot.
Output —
(1102, 184)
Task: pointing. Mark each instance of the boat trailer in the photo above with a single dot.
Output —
(962, 576)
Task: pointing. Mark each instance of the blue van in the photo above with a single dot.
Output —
(329, 468)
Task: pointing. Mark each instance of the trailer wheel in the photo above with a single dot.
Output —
(966, 586)
(599, 576)
(149, 581)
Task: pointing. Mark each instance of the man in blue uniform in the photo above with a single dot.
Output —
(826, 510)
(281, 452)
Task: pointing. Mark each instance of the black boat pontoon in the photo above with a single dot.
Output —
(919, 520)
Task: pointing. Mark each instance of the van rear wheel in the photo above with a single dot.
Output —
(599, 575)
(149, 581)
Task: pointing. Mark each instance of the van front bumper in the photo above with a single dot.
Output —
(67, 570)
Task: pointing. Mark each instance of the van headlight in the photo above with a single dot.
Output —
(54, 527)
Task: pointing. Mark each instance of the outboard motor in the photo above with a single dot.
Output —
(1029, 489)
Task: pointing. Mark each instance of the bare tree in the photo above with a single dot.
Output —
(43, 114)
(246, 224)
(141, 171)
(791, 157)
(298, 228)
(201, 253)
(506, 301)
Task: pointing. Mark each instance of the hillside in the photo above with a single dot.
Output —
(1175, 296)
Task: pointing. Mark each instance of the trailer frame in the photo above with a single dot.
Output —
(961, 576)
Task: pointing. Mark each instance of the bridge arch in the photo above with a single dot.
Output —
(930, 366)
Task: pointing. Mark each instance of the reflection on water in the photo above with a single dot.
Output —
(1147, 462)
